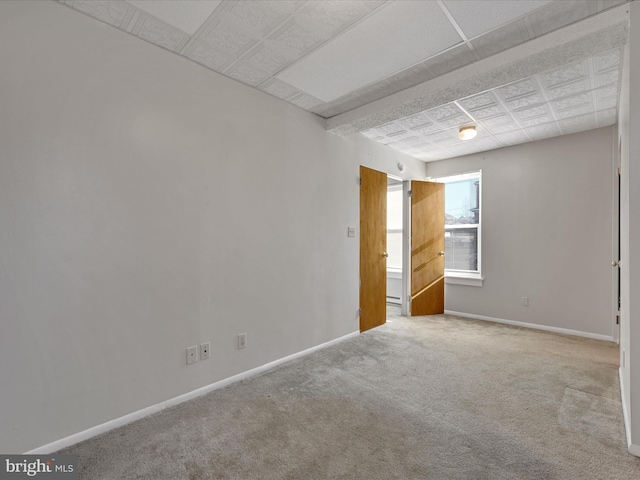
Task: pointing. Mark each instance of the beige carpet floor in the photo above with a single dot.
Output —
(435, 397)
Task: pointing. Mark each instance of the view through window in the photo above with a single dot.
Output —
(462, 222)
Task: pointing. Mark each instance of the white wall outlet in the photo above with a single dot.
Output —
(525, 301)
(351, 232)
(192, 355)
(204, 350)
(242, 340)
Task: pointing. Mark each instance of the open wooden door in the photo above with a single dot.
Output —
(373, 246)
(427, 248)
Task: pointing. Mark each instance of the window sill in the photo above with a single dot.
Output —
(468, 279)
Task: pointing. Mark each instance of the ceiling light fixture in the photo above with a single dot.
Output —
(467, 133)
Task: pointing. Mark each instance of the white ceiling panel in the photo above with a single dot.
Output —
(475, 18)
(187, 15)
(335, 56)
(393, 38)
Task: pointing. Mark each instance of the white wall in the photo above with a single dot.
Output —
(148, 204)
(629, 118)
(546, 233)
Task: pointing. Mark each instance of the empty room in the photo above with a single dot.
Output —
(311, 239)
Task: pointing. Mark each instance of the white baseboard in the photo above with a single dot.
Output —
(132, 417)
(633, 449)
(535, 326)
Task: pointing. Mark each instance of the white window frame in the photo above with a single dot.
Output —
(395, 272)
(465, 277)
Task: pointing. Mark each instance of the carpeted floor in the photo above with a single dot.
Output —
(435, 397)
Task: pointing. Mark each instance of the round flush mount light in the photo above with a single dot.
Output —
(467, 133)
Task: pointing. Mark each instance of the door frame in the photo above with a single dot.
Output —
(406, 247)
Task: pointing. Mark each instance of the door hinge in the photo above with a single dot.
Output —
(410, 298)
(617, 319)
(409, 193)
(359, 312)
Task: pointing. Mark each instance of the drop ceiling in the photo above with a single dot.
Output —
(369, 66)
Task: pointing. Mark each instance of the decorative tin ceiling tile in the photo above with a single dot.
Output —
(517, 89)
(607, 78)
(563, 75)
(404, 136)
(332, 15)
(578, 124)
(488, 111)
(526, 101)
(444, 111)
(608, 91)
(306, 101)
(428, 128)
(280, 89)
(608, 102)
(161, 34)
(415, 121)
(573, 101)
(247, 74)
(225, 36)
(476, 101)
(261, 17)
(371, 133)
(267, 59)
(531, 112)
(499, 120)
(606, 61)
(568, 89)
(390, 129)
(607, 117)
(505, 127)
(574, 112)
(530, 122)
(108, 11)
(209, 57)
(443, 138)
(455, 121)
(295, 38)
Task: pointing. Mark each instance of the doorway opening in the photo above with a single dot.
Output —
(395, 240)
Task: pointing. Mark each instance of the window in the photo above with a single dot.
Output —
(394, 227)
(462, 228)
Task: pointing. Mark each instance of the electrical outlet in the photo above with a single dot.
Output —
(525, 301)
(192, 355)
(204, 350)
(351, 232)
(242, 340)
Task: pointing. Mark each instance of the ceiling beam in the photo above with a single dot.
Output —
(599, 33)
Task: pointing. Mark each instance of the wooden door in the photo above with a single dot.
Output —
(427, 248)
(373, 246)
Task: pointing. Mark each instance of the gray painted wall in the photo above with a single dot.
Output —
(546, 233)
(147, 205)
